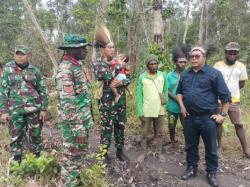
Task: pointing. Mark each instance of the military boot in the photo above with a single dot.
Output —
(106, 160)
(38, 154)
(18, 158)
(121, 155)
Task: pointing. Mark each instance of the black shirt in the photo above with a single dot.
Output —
(201, 90)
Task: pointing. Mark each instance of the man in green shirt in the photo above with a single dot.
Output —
(150, 109)
(172, 106)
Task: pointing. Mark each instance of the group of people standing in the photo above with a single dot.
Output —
(200, 96)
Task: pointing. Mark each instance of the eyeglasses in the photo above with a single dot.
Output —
(232, 53)
(195, 56)
(151, 64)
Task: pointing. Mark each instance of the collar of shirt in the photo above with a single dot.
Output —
(150, 76)
(204, 68)
(22, 66)
(71, 59)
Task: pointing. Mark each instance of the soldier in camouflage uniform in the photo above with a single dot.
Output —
(23, 102)
(113, 115)
(74, 106)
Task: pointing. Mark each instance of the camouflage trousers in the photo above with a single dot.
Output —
(112, 118)
(73, 153)
(25, 128)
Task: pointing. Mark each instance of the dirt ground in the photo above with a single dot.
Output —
(163, 169)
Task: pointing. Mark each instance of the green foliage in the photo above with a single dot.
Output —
(133, 122)
(227, 22)
(11, 22)
(169, 11)
(85, 12)
(117, 11)
(46, 19)
(166, 64)
(17, 181)
(53, 105)
(46, 167)
(95, 174)
(101, 154)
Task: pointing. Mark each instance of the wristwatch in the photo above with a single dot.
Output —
(223, 114)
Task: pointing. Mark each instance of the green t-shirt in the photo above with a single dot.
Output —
(172, 80)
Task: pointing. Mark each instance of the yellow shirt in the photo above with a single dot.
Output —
(233, 75)
(148, 99)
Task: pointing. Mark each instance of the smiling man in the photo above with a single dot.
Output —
(198, 91)
(235, 75)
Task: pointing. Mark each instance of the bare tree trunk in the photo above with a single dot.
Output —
(142, 15)
(186, 23)
(158, 25)
(203, 21)
(40, 32)
(132, 44)
(206, 19)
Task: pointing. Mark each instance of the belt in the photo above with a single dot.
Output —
(201, 114)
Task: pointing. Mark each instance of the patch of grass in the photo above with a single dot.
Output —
(45, 168)
(4, 154)
(53, 102)
(95, 175)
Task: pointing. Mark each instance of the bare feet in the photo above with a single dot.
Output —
(247, 153)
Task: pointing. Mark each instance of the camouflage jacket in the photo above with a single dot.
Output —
(103, 73)
(74, 98)
(22, 90)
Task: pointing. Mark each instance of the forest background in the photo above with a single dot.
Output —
(138, 27)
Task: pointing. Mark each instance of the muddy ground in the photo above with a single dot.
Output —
(162, 169)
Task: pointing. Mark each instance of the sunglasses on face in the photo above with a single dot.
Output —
(232, 53)
(195, 56)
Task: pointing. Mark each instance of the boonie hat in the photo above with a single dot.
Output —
(73, 41)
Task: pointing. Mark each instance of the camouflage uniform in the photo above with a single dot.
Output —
(74, 110)
(23, 95)
(113, 115)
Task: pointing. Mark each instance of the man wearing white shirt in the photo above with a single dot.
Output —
(235, 75)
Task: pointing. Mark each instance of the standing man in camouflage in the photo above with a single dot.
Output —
(23, 102)
(74, 106)
(113, 115)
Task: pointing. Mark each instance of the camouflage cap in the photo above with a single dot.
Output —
(23, 49)
(73, 41)
(232, 46)
(150, 58)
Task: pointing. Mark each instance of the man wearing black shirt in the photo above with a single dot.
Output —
(198, 92)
